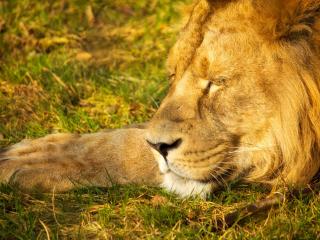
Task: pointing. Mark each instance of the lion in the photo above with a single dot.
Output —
(243, 104)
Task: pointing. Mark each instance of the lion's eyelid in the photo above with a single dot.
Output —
(219, 81)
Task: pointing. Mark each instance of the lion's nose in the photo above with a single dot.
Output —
(163, 148)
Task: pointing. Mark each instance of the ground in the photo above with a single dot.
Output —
(81, 66)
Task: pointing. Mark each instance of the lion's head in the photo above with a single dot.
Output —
(244, 97)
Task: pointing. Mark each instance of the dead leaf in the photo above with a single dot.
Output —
(158, 200)
(191, 215)
(83, 56)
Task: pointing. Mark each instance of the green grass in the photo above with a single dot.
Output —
(62, 70)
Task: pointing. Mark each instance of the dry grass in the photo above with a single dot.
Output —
(81, 66)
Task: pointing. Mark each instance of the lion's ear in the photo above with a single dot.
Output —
(288, 19)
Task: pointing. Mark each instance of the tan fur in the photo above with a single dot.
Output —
(65, 161)
(244, 102)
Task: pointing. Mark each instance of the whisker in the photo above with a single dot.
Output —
(222, 181)
(256, 147)
(215, 178)
(252, 149)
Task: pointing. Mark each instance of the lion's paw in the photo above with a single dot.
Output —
(36, 163)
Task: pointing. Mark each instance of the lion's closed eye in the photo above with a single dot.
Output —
(171, 77)
(207, 89)
(212, 87)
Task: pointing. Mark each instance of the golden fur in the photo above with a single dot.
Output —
(64, 161)
(244, 102)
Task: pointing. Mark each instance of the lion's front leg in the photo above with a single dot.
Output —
(63, 161)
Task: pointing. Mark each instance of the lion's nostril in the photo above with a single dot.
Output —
(164, 148)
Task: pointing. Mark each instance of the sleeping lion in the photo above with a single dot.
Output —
(243, 104)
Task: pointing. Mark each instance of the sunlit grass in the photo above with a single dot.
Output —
(81, 66)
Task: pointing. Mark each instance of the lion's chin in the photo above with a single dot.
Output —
(185, 187)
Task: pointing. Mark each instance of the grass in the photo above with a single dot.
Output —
(81, 66)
